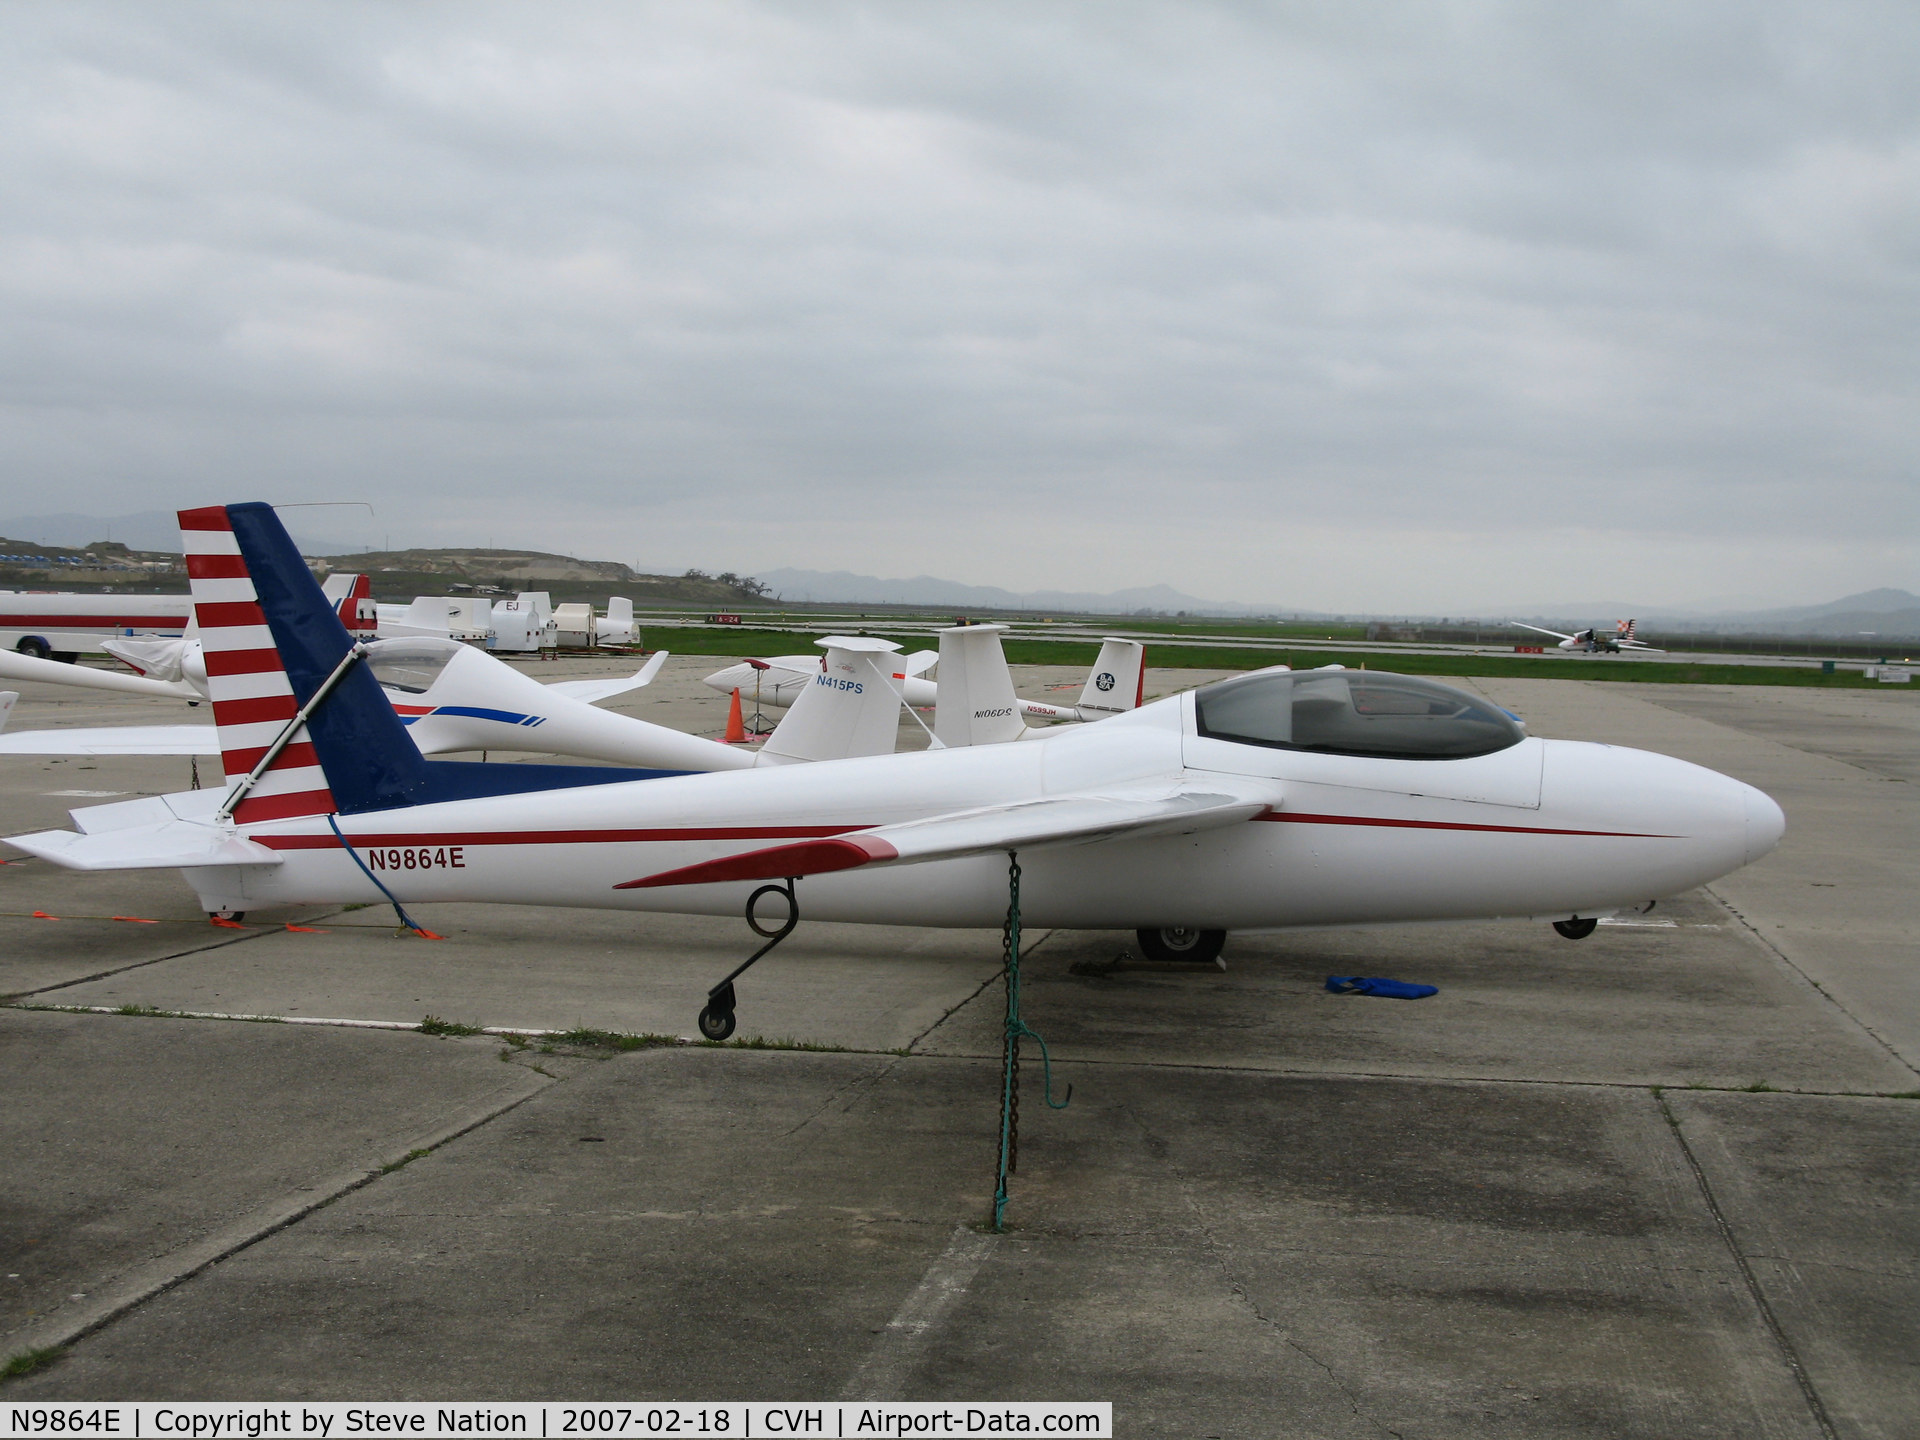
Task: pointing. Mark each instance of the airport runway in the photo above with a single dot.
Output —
(1654, 1183)
(924, 635)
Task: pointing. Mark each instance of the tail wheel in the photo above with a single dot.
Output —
(1200, 947)
(1575, 929)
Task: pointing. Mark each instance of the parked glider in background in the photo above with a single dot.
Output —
(43, 625)
(1270, 800)
(59, 672)
(1113, 686)
(1595, 640)
(781, 680)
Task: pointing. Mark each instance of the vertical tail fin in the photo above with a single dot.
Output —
(271, 639)
(851, 708)
(1117, 680)
(352, 598)
(617, 628)
(976, 705)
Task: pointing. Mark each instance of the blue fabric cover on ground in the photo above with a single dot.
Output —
(1387, 989)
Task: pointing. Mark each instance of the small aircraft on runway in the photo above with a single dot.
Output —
(1270, 800)
(1595, 641)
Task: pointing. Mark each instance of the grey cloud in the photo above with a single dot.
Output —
(1592, 298)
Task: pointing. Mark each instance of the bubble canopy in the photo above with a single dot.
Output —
(411, 666)
(1355, 712)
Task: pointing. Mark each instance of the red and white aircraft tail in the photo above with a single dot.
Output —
(247, 682)
(352, 599)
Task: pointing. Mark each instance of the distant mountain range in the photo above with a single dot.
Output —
(845, 588)
(1892, 613)
(1889, 613)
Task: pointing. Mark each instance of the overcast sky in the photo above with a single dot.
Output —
(1434, 306)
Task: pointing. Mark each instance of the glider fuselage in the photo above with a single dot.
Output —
(1543, 828)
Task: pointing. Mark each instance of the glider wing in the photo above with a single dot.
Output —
(1057, 820)
(594, 691)
(115, 740)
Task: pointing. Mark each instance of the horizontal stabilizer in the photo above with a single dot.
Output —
(1061, 820)
(594, 691)
(173, 844)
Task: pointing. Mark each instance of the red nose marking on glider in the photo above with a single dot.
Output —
(778, 862)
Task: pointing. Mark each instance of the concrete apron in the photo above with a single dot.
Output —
(1220, 1254)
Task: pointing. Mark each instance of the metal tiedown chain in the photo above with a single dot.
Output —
(1016, 1029)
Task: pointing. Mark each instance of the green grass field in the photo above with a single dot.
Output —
(729, 640)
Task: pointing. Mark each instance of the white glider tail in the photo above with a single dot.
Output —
(850, 707)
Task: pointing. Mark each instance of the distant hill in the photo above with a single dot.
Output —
(844, 587)
(402, 574)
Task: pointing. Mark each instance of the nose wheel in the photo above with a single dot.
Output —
(1200, 947)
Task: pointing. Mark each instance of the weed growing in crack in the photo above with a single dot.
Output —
(434, 1025)
(25, 1362)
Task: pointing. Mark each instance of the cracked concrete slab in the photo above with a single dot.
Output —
(1701, 1002)
(1835, 899)
(864, 986)
(131, 1141)
(1822, 1198)
(1221, 1254)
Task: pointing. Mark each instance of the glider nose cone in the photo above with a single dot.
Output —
(1766, 823)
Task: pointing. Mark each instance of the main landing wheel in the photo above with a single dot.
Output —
(1575, 929)
(234, 915)
(36, 647)
(1201, 947)
(716, 1024)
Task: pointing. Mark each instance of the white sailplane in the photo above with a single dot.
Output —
(1271, 800)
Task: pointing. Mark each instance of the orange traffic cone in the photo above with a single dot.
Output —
(736, 726)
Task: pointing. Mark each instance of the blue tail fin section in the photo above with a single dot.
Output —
(371, 763)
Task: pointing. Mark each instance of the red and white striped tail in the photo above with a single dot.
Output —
(352, 597)
(246, 680)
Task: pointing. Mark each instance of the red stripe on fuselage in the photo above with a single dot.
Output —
(1301, 818)
(94, 623)
(810, 832)
(560, 837)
